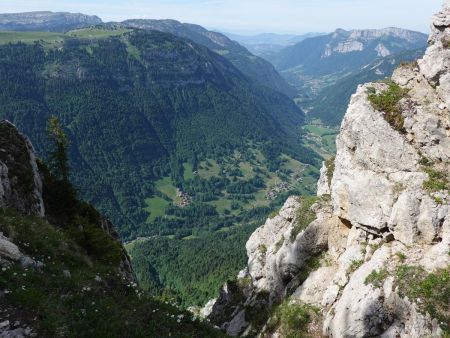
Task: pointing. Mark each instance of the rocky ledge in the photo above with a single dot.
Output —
(370, 255)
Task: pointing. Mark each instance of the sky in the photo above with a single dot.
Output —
(252, 16)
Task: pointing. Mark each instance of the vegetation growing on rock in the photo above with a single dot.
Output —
(291, 319)
(304, 215)
(377, 277)
(437, 180)
(388, 102)
(431, 291)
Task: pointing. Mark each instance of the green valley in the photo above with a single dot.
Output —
(167, 138)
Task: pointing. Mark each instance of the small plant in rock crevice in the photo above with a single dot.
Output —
(445, 42)
(292, 319)
(355, 264)
(263, 249)
(377, 278)
(437, 180)
(279, 244)
(304, 215)
(330, 165)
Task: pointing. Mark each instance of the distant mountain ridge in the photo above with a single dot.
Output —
(316, 64)
(347, 49)
(269, 43)
(250, 65)
(46, 21)
(338, 95)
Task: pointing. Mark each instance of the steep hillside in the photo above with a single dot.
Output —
(156, 98)
(369, 256)
(63, 271)
(318, 62)
(167, 139)
(46, 21)
(254, 67)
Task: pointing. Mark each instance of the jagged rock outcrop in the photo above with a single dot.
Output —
(380, 235)
(20, 181)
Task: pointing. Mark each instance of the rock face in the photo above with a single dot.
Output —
(20, 181)
(385, 211)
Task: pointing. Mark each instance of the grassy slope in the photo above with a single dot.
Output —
(56, 38)
(77, 306)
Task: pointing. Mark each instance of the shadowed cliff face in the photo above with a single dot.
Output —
(20, 181)
(371, 252)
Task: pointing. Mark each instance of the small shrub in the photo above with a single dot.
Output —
(425, 161)
(437, 180)
(263, 249)
(438, 200)
(312, 264)
(244, 282)
(292, 320)
(409, 64)
(279, 244)
(356, 264)
(376, 278)
(388, 102)
(330, 165)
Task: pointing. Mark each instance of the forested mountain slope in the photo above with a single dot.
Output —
(253, 66)
(63, 270)
(347, 49)
(137, 104)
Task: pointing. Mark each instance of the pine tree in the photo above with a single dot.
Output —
(58, 158)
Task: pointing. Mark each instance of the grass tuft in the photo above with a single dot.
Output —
(376, 278)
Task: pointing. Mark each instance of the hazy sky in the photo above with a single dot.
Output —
(253, 16)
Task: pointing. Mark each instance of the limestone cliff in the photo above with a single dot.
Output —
(370, 255)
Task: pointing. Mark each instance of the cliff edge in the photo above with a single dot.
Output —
(370, 255)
